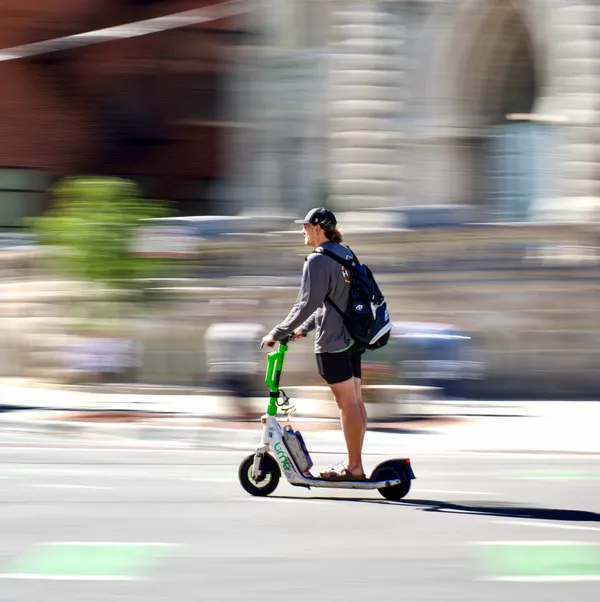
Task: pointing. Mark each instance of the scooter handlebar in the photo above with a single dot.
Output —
(283, 341)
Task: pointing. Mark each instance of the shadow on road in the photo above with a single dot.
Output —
(503, 510)
(484, 509)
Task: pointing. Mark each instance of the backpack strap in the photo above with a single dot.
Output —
(354, 256)
(346, 263)
(328, 298)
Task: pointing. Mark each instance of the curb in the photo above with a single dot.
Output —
(331, 441)
(219, 437)
(557, 428)
(323, 441)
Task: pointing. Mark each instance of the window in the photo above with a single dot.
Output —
(22, 194)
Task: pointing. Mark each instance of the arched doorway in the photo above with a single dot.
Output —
(505, 86)
(483, 86)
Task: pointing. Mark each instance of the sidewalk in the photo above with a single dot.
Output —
(179, 419)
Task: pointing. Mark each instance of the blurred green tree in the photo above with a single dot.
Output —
(93, 227)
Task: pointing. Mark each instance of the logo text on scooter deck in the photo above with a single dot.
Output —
(281, 455)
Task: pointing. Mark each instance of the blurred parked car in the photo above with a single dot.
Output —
(426, 354)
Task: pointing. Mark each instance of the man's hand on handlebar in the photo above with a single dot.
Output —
(267, 341)
(298, 334)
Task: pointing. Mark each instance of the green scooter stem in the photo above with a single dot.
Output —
(273, 375)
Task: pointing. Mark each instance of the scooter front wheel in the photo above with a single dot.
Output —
(269, 477)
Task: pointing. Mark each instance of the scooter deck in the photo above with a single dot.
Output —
(406, 474)
(358, 484)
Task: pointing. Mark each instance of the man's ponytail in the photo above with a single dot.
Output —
(333, 234)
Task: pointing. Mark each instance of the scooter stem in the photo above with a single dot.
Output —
(273, 375)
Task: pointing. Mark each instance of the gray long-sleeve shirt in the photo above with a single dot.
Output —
(321, 277)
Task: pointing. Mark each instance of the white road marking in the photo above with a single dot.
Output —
(210, 479)
(69, 577)
(546, 578)
(534, 543)
(63, 486)
(112, 544)
(117, 472)
(138, 447)
(454, 492)
(282, 500)
(88, 471)
(546, 525)
(125, 448)
(121, 471)
(508, 454)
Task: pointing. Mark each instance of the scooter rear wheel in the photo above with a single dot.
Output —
(390, 470)
(268, 480)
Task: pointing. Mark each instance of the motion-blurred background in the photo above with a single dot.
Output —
(149, 176)
(153, 157)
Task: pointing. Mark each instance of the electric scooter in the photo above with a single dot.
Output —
(282, 449)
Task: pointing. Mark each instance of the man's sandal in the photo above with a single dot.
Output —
(341, 473)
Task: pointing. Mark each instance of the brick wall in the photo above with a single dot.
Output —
(115, 107)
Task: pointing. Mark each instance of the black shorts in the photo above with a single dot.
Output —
(338, 367)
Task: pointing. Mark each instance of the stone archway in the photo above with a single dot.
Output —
(483, 77)
(503, 87)
(460, 42)
(500, 76)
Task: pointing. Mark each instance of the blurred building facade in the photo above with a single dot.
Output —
(493, 103)
(490, 103)
(408, 104)
(149, 107)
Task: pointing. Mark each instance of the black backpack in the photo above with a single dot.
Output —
(366, 317)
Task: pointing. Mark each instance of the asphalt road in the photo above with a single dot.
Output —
(105, 524)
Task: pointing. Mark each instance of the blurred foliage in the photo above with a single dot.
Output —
(93, 225)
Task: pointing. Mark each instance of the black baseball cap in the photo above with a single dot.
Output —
(319, 215)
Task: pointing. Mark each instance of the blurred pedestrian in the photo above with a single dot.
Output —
(233, 359)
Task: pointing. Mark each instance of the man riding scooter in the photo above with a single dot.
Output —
(338, 357)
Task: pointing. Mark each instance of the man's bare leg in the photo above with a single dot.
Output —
(353, 423)
(361, 406)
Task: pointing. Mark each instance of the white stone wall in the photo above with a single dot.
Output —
(574, 100)
(400, 110)
(565, 37)
(365, 64)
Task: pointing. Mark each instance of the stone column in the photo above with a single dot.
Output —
(573, 99)
(365, 64)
